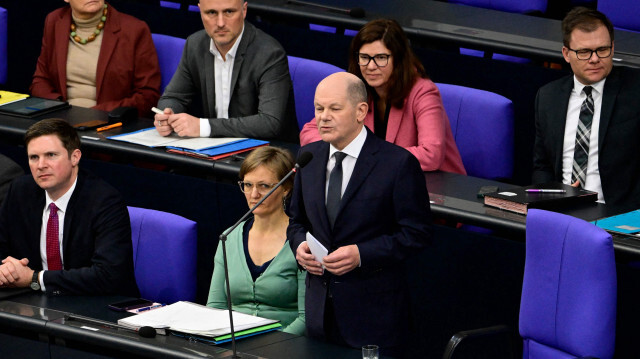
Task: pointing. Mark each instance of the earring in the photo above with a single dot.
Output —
(284, 203)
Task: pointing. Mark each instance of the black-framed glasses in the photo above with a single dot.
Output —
(585, 54)
(381, 60)
(263, 188)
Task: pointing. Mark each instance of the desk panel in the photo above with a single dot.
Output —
(485, 29)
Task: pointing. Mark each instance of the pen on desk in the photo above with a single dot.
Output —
(541, 190)
(91, 138)
(104, 128)
(149, 308)
(157, 110)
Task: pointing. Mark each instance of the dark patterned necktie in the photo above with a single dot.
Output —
(334, 193)
(581, 150)
(54, 262)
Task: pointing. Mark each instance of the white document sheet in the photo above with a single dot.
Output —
(317, 249)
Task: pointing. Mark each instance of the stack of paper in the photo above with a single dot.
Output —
(196, 319)
(201, 147)
(9, 97)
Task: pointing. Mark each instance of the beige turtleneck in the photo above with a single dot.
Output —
(82, 62)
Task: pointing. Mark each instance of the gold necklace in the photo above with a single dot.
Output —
(96, 32)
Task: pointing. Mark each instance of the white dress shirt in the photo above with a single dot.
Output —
(571, 128)
(352, 151)
(62, 204)
(223, 71)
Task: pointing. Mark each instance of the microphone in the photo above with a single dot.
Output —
(356, 12)
(145, 331)
(303, 160)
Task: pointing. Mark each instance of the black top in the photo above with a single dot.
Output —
(380, 124)
(255, 270)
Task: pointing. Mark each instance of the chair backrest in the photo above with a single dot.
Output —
(482, 126)
(4, 62)
(164, 255)
(169, 49)
(622, 13)
(516, 6)
(305, 76)
(568, 305)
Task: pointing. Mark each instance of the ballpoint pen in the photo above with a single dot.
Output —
(149, 308)
(541, 190)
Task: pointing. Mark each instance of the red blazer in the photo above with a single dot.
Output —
(128, 73)
(421, 126)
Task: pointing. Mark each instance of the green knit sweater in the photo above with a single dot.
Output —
(278, 293)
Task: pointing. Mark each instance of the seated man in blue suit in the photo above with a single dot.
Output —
(63, 230)
(366, 201)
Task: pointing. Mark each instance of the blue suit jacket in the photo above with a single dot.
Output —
(96, 244)
(385, 212)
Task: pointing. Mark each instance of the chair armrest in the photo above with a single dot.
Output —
(489, 334)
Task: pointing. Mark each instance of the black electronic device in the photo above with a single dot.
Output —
(123, 114)
(130, 304)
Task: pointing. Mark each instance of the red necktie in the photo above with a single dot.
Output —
(54, 262)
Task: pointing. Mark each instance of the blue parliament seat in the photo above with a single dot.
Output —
(164, 255)
(482, 123)
(569, 290)
(169, 49)
(517, 6)
(3, 45)
(622, 13)
(305, 76)
(569, 294)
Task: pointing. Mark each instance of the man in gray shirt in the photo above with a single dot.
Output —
(233, 79)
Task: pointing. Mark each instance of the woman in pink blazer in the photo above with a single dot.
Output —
(405, 107)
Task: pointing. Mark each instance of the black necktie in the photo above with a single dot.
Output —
(334, 194)
(581, 150)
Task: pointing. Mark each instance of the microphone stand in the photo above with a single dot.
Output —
(223, 238)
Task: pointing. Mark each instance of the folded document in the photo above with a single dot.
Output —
(196, 319)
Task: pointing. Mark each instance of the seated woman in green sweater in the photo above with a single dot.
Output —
(263, 273)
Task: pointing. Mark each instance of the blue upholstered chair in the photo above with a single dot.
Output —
(517, 6)
(169, 51)
(482, 125)
(569, 293)
(170, 4)
(305, 76)
(568, 306)
(164, 255)
(3, 45)
(622, 13)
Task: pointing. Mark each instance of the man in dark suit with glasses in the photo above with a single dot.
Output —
(588, 124)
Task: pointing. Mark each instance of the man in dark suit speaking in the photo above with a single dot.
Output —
(63, 230)
(588, 124)
(366, 201)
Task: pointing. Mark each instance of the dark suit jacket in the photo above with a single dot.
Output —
(385, 211)
(97, 250)
(9, 170)
(261, 103)
(619, 131)
(128, 73)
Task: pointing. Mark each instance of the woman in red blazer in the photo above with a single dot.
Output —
(405, 107)
(95, 56)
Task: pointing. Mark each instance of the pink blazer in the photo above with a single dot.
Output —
(128, 73)
(421, 126)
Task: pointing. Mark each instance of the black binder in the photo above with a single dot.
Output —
(32, 107)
